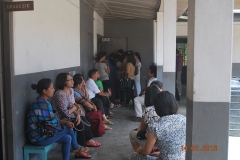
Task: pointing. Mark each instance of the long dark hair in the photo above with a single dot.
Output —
(100, 55)
(130, 59)
(77, 80)
(150, 94)
(112, 58)
(61, 80)
(138, 55)
(41, 85)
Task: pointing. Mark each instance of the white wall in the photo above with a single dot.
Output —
(236, 43)
(182, 29)
(47, 38)
(98, 28)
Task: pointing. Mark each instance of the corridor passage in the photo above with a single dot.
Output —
(115, 143)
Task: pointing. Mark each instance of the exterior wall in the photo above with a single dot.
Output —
(46, 42)
(47, 35)
(139, 35)
(182, 32)
(86, 16)
(98, 29)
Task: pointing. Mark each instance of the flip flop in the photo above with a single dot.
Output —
(83, 149)
(82, 155)
(108, 122)
(93, 144)
(110, 113)
(107, 128)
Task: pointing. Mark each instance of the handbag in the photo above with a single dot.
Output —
(47, 129)
(97, 126)
(141, 135)
(125, 83)
(84, 123)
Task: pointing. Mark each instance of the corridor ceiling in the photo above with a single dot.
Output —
(131, 9)
(135, 9)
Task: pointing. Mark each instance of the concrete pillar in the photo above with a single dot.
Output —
(154, 41)
(159, 60)
(169, 44)
(209, 63)
(95, 38)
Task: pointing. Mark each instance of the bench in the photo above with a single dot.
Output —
(43, 150)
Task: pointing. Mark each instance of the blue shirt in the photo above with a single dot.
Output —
(40, 110)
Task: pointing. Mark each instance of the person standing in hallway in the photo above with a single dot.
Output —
(137, 57)
(129, 73)
(179, 66)
(103, 70)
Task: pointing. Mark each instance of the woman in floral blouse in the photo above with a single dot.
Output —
(64, 103)
(168, 133)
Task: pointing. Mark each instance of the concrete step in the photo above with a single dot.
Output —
(234, 133)
(234, 119)
(234, 112)
(234, 105)
(234, 126)
(235, 98)
(235, 92)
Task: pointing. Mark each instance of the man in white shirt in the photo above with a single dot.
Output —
(97, 96)
(139, 101)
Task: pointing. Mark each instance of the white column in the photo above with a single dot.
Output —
(155, 41)
(159, 47)
(169, 44)
(209, 68)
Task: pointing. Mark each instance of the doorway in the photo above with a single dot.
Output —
(112, 45)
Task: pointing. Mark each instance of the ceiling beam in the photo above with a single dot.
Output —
(128, 4)
(107, 8)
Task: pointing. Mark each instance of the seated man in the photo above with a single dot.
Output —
(95, 94)
(139, 101)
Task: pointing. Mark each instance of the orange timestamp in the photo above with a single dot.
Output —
(203, 148)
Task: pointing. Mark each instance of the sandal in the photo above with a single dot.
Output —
(81, 149)
(110, 113)
(107, 128)
(111, 105)
(93, 143)
(82, 155)
(108, 122)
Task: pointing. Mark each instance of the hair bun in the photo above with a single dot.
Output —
(34, 86)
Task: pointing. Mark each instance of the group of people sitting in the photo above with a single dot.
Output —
(84, 107)
(75, 105)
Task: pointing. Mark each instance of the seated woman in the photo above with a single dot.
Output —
(85, 102)
(64, 103)
(163, 132)
(139, 135)
(41, 110)
(149, 114)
